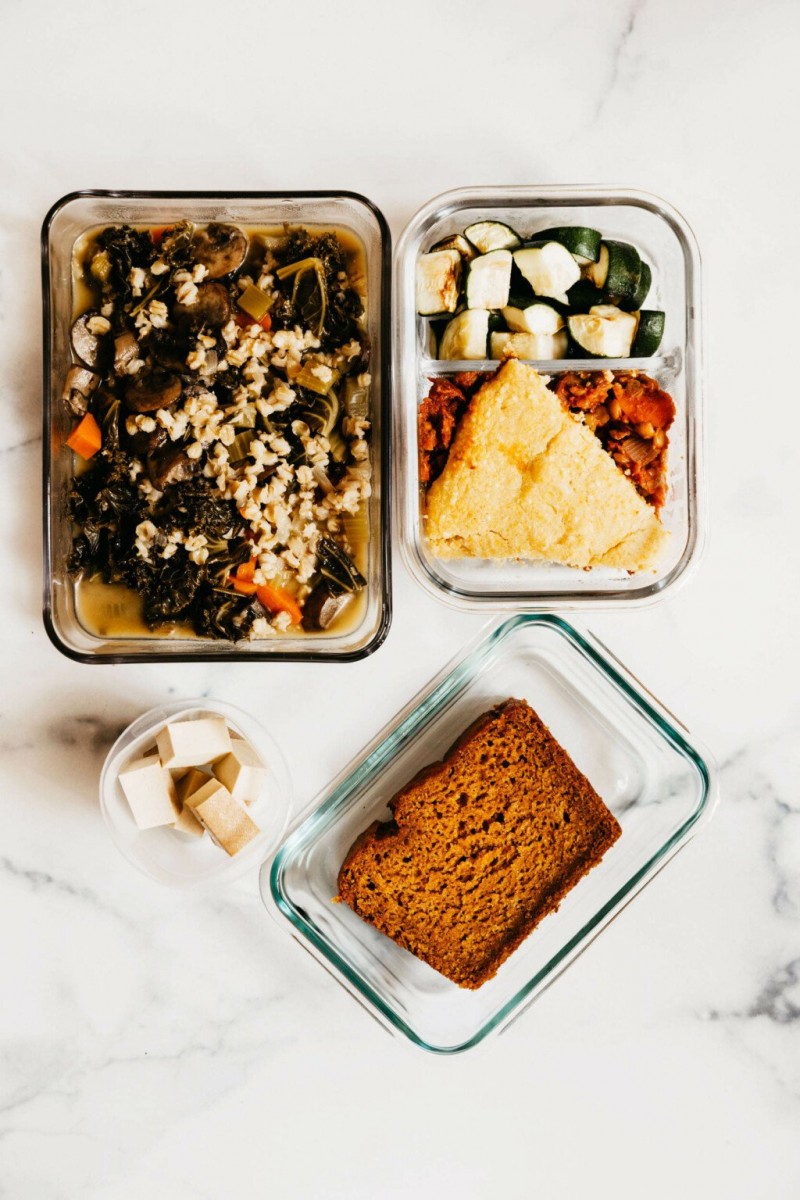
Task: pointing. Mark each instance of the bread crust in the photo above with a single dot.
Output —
(483, 844)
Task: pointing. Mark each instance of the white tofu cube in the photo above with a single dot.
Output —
(189, 782)
(190, 743)
(150, 791)
(242, 772)
(225, 818)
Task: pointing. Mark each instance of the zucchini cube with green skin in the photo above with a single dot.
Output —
(550, 269)
(605, 331)
(489, 280)
(535, 318)
(583, 243)
(617, 272)
(539, 346)
(492, 235)
(438, 282)
(465, 337)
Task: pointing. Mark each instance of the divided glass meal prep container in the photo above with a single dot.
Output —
(667, 243)
(69, 220)
(653, 777)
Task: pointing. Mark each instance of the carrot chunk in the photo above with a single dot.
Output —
(86, 438)
(277, 600)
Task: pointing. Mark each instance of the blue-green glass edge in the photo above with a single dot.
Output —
(398, 738)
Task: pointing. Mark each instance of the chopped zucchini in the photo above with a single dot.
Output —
(605, 331)
(438, 282)
(550, 269)
(465, 336)
(642, 290)
(616, 271)
(534, 318)
(583, 295)
(529, 345)
(458, 242)
(489, 280)
(492, 235)
(649, 332)
(583, 243)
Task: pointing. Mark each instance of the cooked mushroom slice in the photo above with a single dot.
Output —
(170, 465)
(212, 307)
(126, 348)
(143, 444)
(323, 607)
(89, 338)
(146, 393)
(78, 387)
(168, 349)
(220, 248)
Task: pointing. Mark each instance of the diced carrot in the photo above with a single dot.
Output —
(157, 234)
(245, 586)
(86, 438)
(277, 600)
(244, 320)
(246, 570)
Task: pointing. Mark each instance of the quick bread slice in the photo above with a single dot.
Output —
(482, 846)
(526, 479)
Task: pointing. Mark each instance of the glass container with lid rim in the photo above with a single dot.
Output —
(667, 242)
(73, 216)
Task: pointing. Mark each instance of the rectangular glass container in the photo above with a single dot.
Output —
(667, 243)
(68, 220)
(655, 780)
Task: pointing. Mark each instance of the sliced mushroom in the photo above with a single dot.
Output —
(143, 444)
(126, 348)
(170, 465)
(212, 307)
(168, 349)
(220, 248)
(91, 348)
(323, 606)
(147, 393)
(78, 387)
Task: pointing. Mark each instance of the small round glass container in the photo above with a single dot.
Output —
(169, 855)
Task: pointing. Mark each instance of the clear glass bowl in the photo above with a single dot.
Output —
(656, 781)
(176, 858)
(668, 244)
(68, 220)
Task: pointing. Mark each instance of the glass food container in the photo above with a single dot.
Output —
(666, 242)
(68, 221)
(655, 779)
(168, 855)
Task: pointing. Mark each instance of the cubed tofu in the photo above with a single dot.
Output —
(190, 743)
(225, 817)
(150, 791)
(242, 772)
(189, 782)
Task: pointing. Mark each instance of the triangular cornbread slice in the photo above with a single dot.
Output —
(526, 479)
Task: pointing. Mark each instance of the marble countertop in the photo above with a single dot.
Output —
(179, 1045)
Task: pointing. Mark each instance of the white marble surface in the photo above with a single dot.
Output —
(178, 1045)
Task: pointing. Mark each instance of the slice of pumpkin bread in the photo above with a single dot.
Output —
(482, 846)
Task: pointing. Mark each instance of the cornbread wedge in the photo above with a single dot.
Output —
(526, 479)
